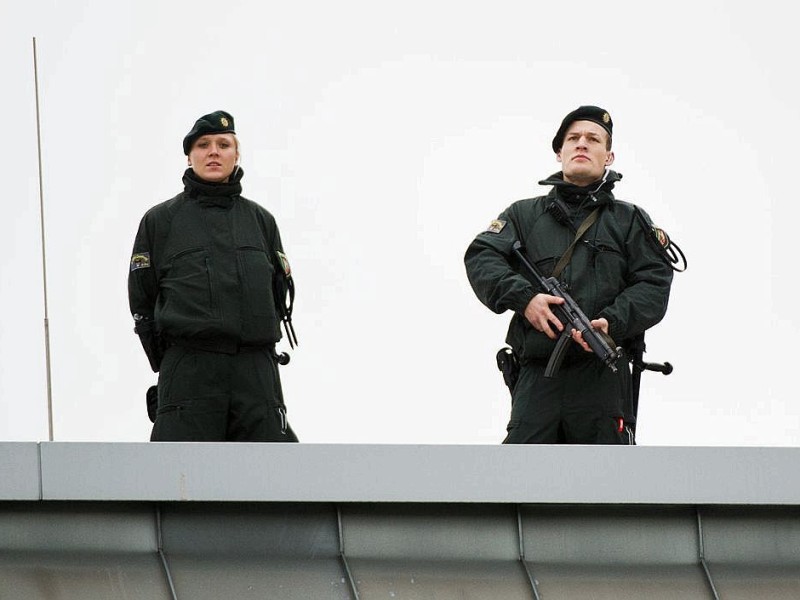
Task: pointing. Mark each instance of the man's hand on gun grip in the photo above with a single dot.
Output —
(541, 317)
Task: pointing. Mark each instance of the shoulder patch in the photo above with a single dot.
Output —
(496, 226)
(140, 260)
(661, 237)
(287, 270)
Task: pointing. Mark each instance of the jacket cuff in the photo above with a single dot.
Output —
(524, 304)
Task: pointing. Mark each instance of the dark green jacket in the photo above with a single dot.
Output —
(206, 268)
(615, 272)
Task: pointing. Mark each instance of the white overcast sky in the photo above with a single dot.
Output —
(384, 137)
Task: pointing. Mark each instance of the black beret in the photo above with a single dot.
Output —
(216, 122)
(583, 113)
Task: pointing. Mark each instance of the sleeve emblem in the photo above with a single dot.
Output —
(661, 237)
(287, 270)
(140, 260)
(496, 226)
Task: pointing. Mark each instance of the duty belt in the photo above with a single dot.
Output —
(222, 346)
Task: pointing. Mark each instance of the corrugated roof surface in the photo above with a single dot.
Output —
(248, 539)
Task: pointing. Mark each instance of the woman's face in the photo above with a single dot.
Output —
(213, 157)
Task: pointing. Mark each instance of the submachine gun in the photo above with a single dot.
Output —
(571, 317)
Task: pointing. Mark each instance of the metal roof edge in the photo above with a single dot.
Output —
(238, 472)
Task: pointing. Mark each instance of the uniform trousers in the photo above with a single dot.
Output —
(214, 397)
(583, 404)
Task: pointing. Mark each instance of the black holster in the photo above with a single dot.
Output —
(152, 402)
(508, 364)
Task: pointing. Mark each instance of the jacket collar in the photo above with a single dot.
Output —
(600, 191)
(208, 192)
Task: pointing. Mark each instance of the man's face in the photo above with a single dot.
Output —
(213, 157)
(583, 155)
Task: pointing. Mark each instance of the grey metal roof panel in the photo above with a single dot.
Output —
(262, 549)
(440, 579)
(745, 581)
(411, 473)
(19, 471)
(81, 576)
(362, 522)
(632, 582)
(430, 532)
(609, 535)
(751, 535)
(77, 527)
(241, 578)
(250, 529)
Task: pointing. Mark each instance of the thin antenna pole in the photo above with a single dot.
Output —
(44, 260)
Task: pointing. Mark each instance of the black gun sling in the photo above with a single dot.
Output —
(567, 256)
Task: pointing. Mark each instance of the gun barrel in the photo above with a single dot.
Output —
(600, 343)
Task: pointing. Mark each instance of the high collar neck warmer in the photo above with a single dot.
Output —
(600, 189)
(209, 192)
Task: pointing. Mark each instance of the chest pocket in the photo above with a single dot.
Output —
(546, 265)
(187, 285)
(256, 272)
(610, 267)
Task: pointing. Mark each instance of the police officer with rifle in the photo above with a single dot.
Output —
(585, 275)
